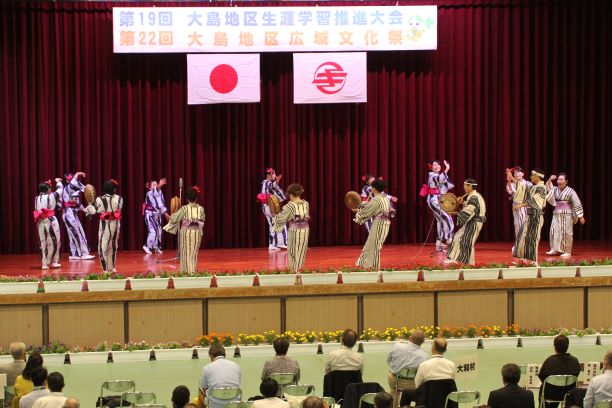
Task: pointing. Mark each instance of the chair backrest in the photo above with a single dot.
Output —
(299, 390)
(283, 378)
(367, 398)
(239, 404)
(335, 383)
(117, 386)
(330, 401)
(463, 397)
(138, 397)
(561, 380)
(225, 393)
(149, 406)
(407, 373)
(604, 404)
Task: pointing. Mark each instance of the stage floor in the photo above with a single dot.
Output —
(256, 259)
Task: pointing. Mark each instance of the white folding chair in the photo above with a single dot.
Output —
(138, 397)
(119, 386)
(299, 390)
(463, 397)
(406, 373)
(224, 394)
(604, 404)
(283, 380)
(330, 401)
(367, 398)
(557, 381)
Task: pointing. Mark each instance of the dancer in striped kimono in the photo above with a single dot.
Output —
(295, 214)
(378, 209)
(519, 214)
(188, 221)
(153, 208)
(269, 186)
(568, 211)
(108, 207)
(367, 195)
(69, 188)
(534, 199)
(438, 183)
(470, 219)
(48, 226)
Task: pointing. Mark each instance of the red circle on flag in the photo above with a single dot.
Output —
(223, 78)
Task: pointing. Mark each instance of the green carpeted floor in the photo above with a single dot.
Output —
(83, 380)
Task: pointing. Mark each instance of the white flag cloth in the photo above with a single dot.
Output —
(222, 78)
(330, 77)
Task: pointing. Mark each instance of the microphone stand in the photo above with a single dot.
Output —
(178, 234)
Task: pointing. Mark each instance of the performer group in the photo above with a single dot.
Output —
(288, 225)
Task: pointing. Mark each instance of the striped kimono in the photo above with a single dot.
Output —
(470, 218)
(275, 238)
(48, 227)
(567, 209)
(528, 239)
(188, 221)
(439, 184)
(108, 207)
(377, 209)
(367, 195)
(71, 204)
(297, 216)
(519, 215)
(153, 208)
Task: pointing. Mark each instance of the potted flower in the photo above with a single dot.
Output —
(595, 267)
(604, 335)
(174, 351)
(10, 285)
(558, 269)
(62, 283)
(227, 279)
(537, 337)
(183, 280)
(450, 273)
(133, 351)
(319, 276)
(53, 353)
(104, 282)
(359, 275)
(276, 277)
(482, 271)
(148, 281)
(520, 270)
(402, 273)
(97, 354)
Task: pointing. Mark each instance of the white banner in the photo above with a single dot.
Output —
(270, 29)
(222, 78)
(330, 77)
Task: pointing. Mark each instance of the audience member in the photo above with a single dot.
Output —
(269, 389)
(405, 355)
(55, 399)
(180, 396)
(72, 403)
(383, 400)
(437, 367)
(511, 395)
(281, 364)
(39, 380)
(600, 387)
(23, 383)
(560, 363)
(345, 358)
(219, 373)
(14, 368)
(313, 402)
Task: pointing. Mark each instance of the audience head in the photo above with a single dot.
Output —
(349, 338)
(216, 350)
(417, 337)
(511, 373)
(281, 345)
(72, 403)
(18, 350)
(55, 382)
(268, 388)
(561, 344)
(438, 346)
(38, 376)
(180, 396)
(383, 400)
(608, 361)
(191, 405)
(379, 185)
(313, 402)
(35, 360)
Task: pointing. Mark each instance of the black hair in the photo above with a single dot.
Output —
(38, 376)
(436, 161)
(180, 396)
(55, 381)
(192, 195)
(35, 360)
(349, 338)
(561, 344)
(562, 174)
(367, 177)
(511, 373)
(383, 400)
(295, 189)
(108, 187)
(281, 345)
(268, 387)
(379, 185)
(470, 181)
(518, 168)
(43, 187)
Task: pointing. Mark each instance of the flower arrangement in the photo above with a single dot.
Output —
(226, 339)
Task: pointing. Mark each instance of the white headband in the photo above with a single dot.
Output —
(535, 173)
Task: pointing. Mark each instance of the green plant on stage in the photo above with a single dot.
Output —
(471, 331)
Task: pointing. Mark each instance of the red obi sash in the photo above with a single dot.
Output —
(263, 198)
(43, 214)
(111, 215)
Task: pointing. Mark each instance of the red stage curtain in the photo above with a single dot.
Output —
(511, 83)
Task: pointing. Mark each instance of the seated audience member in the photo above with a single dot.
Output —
(405, 355)
(219, 373)
(560, 363)
(55, 382)
(180, 397)
(14, 368)
(383, 400)
(23, 383)
(437, 367)
(600, 387)
(72, 403)
(281, 364)
(511, 395)
(269, 390)
(39, 379)
(313, 402)
(345, 358)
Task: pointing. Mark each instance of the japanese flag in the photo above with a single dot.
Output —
(330, 77)
(222, 78)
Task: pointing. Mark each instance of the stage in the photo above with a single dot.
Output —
(258, 259)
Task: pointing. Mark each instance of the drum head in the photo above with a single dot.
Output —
(274, 204)
(352, 200)
(449, 203)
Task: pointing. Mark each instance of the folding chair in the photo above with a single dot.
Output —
(405, 373)
(283, 379)
(330, 401)
(149, 406)
(225, 394)
(463, 397)
(9, 394)
(239, 404)
(299, 390)
(604, 404)
(557, 381)
(116, 386)
(138, 397)
(367, 398)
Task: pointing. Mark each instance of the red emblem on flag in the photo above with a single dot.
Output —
(223, 78)
(329, 78)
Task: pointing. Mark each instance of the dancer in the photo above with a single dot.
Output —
(276, 240)
(108, 207)
(470, 218)
(519, 214)
(366, 195)
(69, 189)
(377, 209)
(188, 221)
(152, 209)
(438, 183)
(534, 199)
(296, 214)
(568, 211)
(48, 225)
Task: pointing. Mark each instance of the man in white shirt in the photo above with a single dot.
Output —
(345, 358)
(405, 355)
(269, 390)
(437, 367)
(39, 379)
(55, 399)
(14, 369)
(219, 373)
(600, 387)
